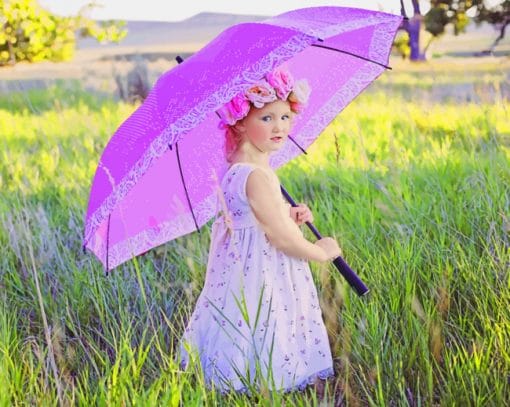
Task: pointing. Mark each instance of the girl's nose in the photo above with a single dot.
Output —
(278, 126)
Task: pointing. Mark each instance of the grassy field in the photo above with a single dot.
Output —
(416, 189)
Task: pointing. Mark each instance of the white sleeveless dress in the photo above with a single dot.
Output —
(257, 319)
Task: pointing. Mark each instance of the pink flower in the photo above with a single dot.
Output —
(234, 110)
(261, 93)
(282, 81)
(278, 84)
(296, 107)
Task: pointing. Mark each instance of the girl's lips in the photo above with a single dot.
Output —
(276, 139)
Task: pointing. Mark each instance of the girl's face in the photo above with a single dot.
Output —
(267, 128)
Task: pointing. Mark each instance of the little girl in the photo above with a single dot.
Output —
(257, 321)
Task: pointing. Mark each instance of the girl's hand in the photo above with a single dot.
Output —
(330, 247)
(301, 214)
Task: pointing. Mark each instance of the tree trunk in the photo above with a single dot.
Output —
(12, 56)
(414, 39)
(501, 35)
(10, 48)
(426, 48)
(413, 28)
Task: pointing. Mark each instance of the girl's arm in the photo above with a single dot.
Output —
(279, 228)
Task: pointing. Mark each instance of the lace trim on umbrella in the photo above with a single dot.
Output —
(321, 119)
(175, 130)
(150, 238)
(324, 29)
(383, 35)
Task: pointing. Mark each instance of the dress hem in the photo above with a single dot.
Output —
(322, 374)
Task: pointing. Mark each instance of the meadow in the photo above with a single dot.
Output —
(412, 179)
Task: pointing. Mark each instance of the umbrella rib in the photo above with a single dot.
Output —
(179, 60)
(351, 54)
(295, 142)
(184, 184)
(108, 243)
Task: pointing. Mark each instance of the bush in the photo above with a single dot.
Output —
(30, 33)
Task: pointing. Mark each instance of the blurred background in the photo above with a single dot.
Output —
(101, 44)
(412, 178)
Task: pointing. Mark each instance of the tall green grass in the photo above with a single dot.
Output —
(416, 192)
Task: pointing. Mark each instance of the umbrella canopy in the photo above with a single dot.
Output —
(157, 177)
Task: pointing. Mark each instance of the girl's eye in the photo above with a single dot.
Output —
(285, 116)
(266, 118)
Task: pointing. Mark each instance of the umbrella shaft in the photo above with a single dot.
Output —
(344, 269)
(309, 224)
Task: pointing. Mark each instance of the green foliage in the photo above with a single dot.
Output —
(103, 31)
(30, 33)
(436, 20)
(497, 15)
(443, 12)
(416, 191)
(455, 12)
(401, 44)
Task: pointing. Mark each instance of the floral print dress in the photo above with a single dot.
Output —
(257, 320)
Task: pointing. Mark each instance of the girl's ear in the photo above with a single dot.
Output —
(240, 126)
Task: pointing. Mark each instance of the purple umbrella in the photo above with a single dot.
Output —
(157, 177)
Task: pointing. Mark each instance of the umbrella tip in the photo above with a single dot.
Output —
(179, 59)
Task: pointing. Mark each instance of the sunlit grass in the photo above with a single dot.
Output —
(416, 192)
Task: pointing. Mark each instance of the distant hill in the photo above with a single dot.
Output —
(197, 29)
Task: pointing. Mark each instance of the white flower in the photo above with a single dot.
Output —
(261, 93)
(301, 92)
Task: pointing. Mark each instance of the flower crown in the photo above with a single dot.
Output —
(278, 84)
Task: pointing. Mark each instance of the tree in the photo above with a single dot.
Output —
(30, 33)
(455, 12)
(498, 16)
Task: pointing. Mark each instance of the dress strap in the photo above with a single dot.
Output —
(234, 189)
(235, 180)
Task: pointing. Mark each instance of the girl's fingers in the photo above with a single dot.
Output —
(308, 219)
(302, 209)
(305, 217)
(301, 214)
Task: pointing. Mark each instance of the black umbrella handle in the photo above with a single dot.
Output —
(344, 269)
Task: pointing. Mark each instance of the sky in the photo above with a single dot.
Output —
(177, 10)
